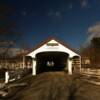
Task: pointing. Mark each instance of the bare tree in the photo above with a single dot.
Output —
(9, 37)
(92, 51)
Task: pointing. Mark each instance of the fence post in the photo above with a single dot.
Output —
(6, 77)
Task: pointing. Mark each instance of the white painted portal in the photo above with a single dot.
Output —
(34, 67)
(52, 46)
(69, 66)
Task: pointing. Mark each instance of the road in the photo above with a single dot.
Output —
(57, 86)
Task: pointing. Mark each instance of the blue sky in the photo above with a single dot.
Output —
(68, 20)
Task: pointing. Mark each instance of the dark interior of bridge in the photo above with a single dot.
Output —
(51, 61)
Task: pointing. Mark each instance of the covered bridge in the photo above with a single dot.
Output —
(54, 55)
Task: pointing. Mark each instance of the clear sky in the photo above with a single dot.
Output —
(68, 20)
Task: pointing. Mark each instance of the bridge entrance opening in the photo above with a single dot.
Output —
(51, 61)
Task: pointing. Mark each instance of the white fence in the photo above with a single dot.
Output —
(90, 71)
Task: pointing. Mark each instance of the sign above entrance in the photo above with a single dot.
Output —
(52, 44)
